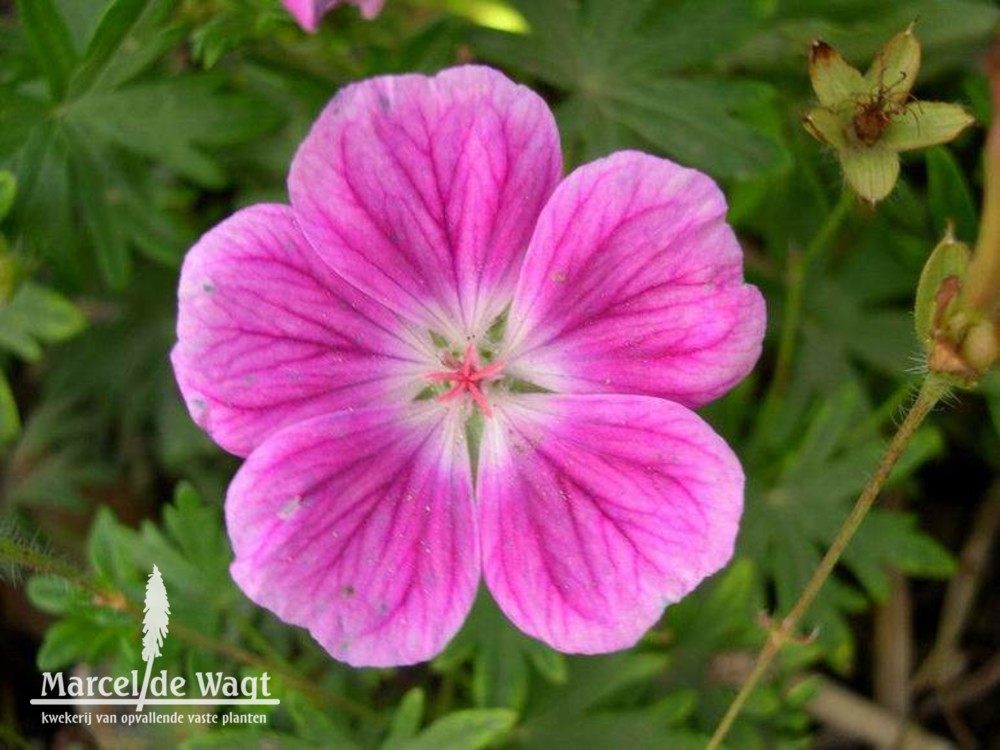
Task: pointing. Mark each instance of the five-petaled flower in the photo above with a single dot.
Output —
(309, 12)
(442, 362)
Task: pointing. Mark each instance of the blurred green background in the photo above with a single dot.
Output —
(122, 142)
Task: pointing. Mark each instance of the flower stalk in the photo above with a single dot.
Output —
(931, 392)
(983, 291)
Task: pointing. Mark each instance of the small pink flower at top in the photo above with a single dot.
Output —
(309, 12)
(444, 361)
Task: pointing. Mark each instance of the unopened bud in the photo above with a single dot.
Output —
(981, 346)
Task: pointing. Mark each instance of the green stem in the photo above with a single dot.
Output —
(23, 555)
(798, 272)
(932, 390)
(983, 291)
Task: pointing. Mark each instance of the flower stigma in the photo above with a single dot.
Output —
(466, 376)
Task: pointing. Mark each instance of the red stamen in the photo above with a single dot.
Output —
(466, 376)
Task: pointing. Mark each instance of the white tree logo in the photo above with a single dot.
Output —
(154, 626)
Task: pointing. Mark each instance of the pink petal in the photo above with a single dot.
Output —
(359, 526)
(423, 192)
(309, 12)
(596, 512)
(269, 336)
(633, 283)
(370, 8)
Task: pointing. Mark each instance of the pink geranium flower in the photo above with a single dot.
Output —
(443, 362)
(309, 12)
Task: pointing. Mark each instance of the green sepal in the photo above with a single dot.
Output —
(826, 126)
(949, 259)
(834, 80)
(895, 68)
(438, 340)
(871, 171)
(923, 124)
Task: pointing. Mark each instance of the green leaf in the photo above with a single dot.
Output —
(130, 36)
(315, 726)
(692, 34)
(44, 210)
(37, 315)
(948, 29)
(624, 729)
(10, 420)
(695, 122)
(464, 730)
(674, 708)
(596, 708)
(406, 719)
(107, 548)
(51, 594)
(173, 121)
(55, 456)
(615, 63)
(98, 201)
(21, 115)
(192, 551)
(803, 692)
(49, 316)
(890, 540)
(848, 328)
(50, 42)
(8, 191)
(67, 642)
(949, 196)
(786, 527)
(720, 614)
(87, 160)
(81, 18)
(500, 656)
(196, 528)
(595, 681)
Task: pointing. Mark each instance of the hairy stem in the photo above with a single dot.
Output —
(932, 390)
(21, 554)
